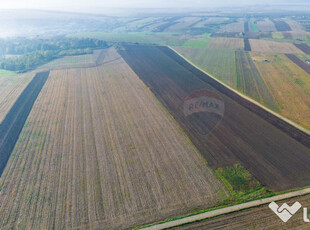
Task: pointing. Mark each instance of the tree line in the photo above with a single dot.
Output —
(30, 53)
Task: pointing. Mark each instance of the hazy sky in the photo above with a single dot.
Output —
(73, 5)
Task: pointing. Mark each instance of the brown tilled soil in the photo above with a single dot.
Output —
(267, 149)
(299, 62)
(247, 45)
(98, 151)
(304, 47)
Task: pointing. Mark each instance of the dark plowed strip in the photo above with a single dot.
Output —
(246, 133)
(101, 57)
(299, 62)
(14, 121)
(303, 47)
(281, 25)
(246, 27)
(247, 45)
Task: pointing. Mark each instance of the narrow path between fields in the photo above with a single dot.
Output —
(227, 210)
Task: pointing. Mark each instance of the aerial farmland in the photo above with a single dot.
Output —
(68, 114)
(154, 118)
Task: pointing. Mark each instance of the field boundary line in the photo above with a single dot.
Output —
(226, 210)
(306, 131)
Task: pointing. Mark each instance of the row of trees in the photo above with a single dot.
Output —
(35, 52)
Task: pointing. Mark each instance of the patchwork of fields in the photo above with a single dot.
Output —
(261, 80)
(241, 136)
(135, 134)
(235, 68)
(119, 159)
(266, 46)
(98, 150)
(235, 27)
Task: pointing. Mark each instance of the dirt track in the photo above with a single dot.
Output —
(227, 210)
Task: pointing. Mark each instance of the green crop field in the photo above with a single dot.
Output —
(196, 43)
(254, 26)
(206, 35)
(277, 35)
(240, 182)
(220, 63)
(6, 73)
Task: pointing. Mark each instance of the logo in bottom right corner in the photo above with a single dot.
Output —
(286, 212)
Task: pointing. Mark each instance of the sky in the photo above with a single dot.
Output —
(75, 5)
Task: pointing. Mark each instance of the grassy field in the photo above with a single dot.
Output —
(196, 43)
(289, 85)
(241, 136)
(277, 35)
(240, 182)
(207, 35)
(98, 150)
(6, 73)
(220, 63)
(254, 26)
(10, 88)
(273, 47)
